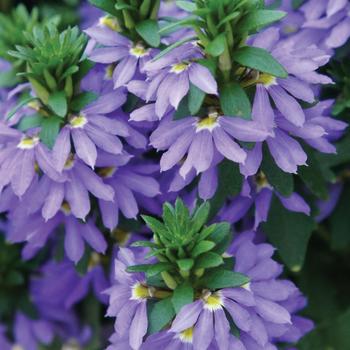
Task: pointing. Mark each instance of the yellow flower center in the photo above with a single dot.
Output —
(140, 291)
(107, 172)
(110, 22)
(28, 142)
(212, 301)
(17, 347)
(267, 79)
(139, 51)
(95, 259)
(109, 72)
(261, 180)
(71, 345)
(178, 68)
(289, 29)
(78, 121)
(187, 335)
(209, 123)
(121, 236)
(69, 162)
(65, 208)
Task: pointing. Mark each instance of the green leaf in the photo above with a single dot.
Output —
(105, 5)
(216, 47)
(158, 268)
(8, 79)
(159, 315)
(259, 59)
(202, 247)
(261, 18)
(234, 101)
(58, 103)
(289, 232)
(186, 5)
(155, 225)
(185, 264)
(312, 175)
(208, 260)
(229, 184)
(219, 278)
(340, 221)
(82, 100)
(149, 31)
(138, 268)
(147, 244)
(281, 181)
(183, 295)
(30, 121)
(195, 99)
(23, 103)
(50, 128)
(200, 217)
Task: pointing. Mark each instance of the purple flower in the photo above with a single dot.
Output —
(258, 192)
(169, 77)
(127, 300)
(203, 140)
(71, 287)
(92, 128)
(286, 151)
(35, 232)
(18, 158)
(130, 57)
(127, 182)
(332, 17)
(301, 65)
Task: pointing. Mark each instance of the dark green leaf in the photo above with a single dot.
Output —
(30, 121)
(183, 295)
(185, 264)
(261, 18)
(82, 100)
(259, 59)
(312, 175)
(138, 268)
(105, 5)
(289, 232)
(208, 260)
(195, 99)
(219, 278)
(149, 31)
(50, 128)
(217, 46)
(202, 247)
(281, 181)
(159, 315)
(186, 5)
(58, 103)
(340, 221)
(157, 268)
(234, 101)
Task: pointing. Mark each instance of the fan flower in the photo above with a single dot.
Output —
(284, 148)
(92, 128)
(203, 139)
(258, 192)
(21, 155)
(127, 182)
(130, 58)
(128, 297)
(301, 65)
(331, 17)
(170, 77)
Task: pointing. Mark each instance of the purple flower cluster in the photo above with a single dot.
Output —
(264, 310)
(134, 146)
